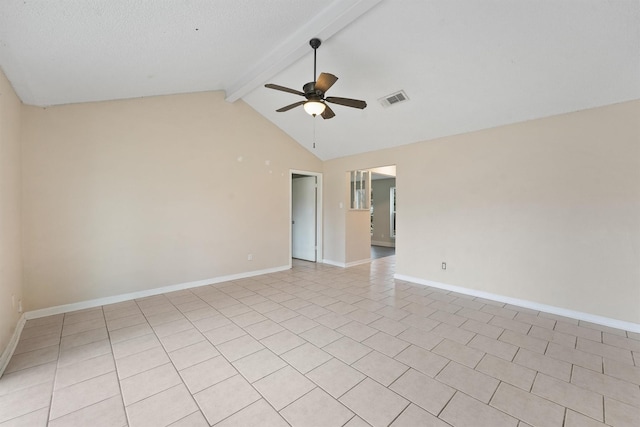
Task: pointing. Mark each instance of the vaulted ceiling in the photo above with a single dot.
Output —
(465, 65)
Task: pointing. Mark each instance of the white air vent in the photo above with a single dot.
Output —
(393, 99)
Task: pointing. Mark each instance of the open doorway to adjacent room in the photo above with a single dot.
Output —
(306, 210)
(383, 211)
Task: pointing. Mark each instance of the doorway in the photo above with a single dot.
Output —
(306, 221)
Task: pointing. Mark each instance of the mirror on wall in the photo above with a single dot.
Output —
(360, 183)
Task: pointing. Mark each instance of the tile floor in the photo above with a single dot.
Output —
(320, 346)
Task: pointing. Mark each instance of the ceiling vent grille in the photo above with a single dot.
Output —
(393, 99)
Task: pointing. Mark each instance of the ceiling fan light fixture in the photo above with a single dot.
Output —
(314, 107)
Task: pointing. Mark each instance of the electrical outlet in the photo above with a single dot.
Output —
(444, 265)
(250, 257)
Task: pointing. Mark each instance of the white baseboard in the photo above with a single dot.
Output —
(147, 293)
(359, 262)
(334, 263)
(579, 315)
(347, 264)
(13, 343)
(385, 244)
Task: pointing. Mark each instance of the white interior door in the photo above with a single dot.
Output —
(303, 218)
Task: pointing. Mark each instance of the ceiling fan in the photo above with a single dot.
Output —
(314, 91)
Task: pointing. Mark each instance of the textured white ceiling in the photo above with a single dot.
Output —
(465, 64)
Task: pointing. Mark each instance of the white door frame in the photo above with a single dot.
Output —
(318, 175)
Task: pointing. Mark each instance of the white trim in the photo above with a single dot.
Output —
(385, 244)
(147, 293)
(359, 262)
(334, 263)
(13, 343)
(565, 312)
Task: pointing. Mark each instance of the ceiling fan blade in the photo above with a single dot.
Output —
(325, 81)
(348, 102)
(328, 112)
(284, 89)
(290, 106)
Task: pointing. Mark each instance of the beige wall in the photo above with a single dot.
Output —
(546, 211)
(10, 245)
(130, 195)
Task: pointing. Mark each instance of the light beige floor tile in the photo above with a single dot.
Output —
(482, 328)
(388, 326)
(374, 403)
(335, 377)
(84, 370)
(82, 338)
(622, 371)
(205, 374)
(332, 320)
(107, 413)
(162, 409)
(195, 419)
(508, 372)
(224, 334)
(36, 343)
(249, 318)
(422, 360)
(148, 383)
(258, 365)
(32, 358)
(347, 350)
(239, 347)
(493, 308)
(263, 329)
(282, 342)
(162, 318)
(545, 364)
(566, 394)
(527, 407)
(226, 398)
(321, 335)
(535, 320)
(380, 367)
(579, 331)
(123, 322)
(356, 421)
(357, 331)
(172, 327)
(605, 350)
(422, 390)
(259, 413)
(181, 339)
(140, 362)
(453, 334)
(212, 322)
(24, 401)
(460, 353)
(29, 377)
(414, 416)
(421, 338)
(83, 316)
(492, 346)
(363, 316)
(575, 419)
(83, 352)
(524, 341)
(282, 314)
(448, 318)
(74, 328)
(620, 414)
(476, 314)
(298, 324)
(129, 332)
(511, 324)
(193, 354)
(283, 387)
(464, 411)
(316, 409)
(306, 357)
(197, 310)
(134, 345)
(576, 357)
(386, 344)
(469, 381)
(620, 390)
(32, 419)
(553, 336)
(83, 394)
(38, 331)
